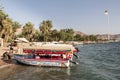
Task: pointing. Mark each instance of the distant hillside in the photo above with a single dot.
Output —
(111, 36)
(102, 36)
(80, 33)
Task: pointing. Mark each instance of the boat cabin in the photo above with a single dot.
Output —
(48, 54)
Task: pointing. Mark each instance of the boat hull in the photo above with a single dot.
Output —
(41, 62)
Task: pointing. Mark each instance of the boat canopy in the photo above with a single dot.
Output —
(40, 51)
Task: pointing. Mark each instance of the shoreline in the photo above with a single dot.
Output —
(4, 64)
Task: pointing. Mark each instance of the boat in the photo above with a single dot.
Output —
(45, 57)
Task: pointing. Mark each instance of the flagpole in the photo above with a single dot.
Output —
(108, 27)
(107, 14)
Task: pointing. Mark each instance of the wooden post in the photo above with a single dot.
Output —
(1, 42)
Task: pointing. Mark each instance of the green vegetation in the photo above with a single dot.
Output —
(28, 31)
(45, 28)
(8, 28)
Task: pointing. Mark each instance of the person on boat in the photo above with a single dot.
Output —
(75, 52)
(77, 49)
(63, 56)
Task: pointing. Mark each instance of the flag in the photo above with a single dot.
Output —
(106, 12)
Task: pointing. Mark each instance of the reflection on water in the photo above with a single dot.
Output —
(21, 72)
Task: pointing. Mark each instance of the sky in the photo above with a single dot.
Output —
(86, 16)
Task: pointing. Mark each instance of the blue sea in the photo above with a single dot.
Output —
(96, 62)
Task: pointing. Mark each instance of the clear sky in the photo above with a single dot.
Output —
(82, 15)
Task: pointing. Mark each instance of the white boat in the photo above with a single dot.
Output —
(56, 55)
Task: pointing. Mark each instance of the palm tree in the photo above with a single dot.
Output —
(55, 36)
(62, 34)
(28, 30)
(3, 16)
(15, 26)
(45, 28)
(70, 34)
(37, 36)
(7, 28)
(67, 34)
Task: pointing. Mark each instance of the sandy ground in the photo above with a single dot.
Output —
(2, 62)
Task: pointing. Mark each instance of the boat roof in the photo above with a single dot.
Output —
(51, 47)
